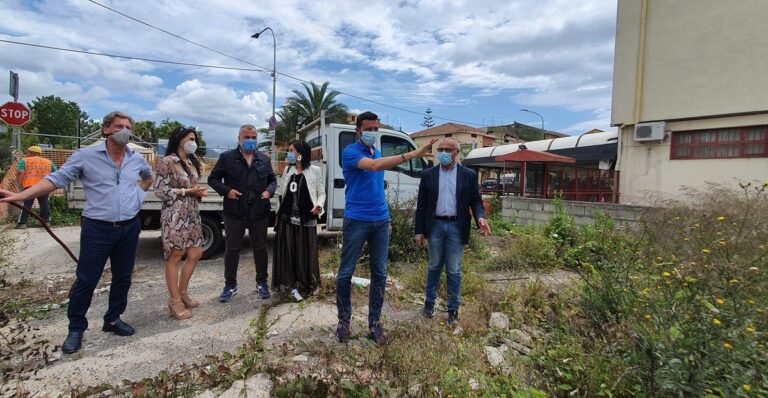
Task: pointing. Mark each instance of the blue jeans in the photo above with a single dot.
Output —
(356, 233)
(100, 241)
(445, 249)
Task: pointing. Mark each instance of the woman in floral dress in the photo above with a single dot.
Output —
(176, 185)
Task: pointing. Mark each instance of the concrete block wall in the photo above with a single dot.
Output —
(529, 211)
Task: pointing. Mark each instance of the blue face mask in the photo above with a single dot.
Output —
(290, 158)
(249, 145)
(444, 158)
(368, 138)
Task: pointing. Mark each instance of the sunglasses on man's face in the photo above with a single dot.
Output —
(449, 150)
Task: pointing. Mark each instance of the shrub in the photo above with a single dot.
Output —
(531, 250)
(61, 214)
(401, 244)
(693, 291)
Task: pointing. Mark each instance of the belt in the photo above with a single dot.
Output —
(114, 223)
(446, 218)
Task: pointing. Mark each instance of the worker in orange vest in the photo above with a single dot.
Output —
(32, 168)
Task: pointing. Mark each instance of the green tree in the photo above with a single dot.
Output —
(145, 130)
(428, 121)
(307, 105)
(167, 126)
(290, 116)
(51, 115)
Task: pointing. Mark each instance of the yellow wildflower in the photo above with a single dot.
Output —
(706, 251)
(692, 263)
(746, 387)
(733, 281)
(647, 316)
(685, 238)
(727, 346)
(659, 258)
(696, 225)
(716, 322)
(721, 242)
(720, 301)
(721, 218)
(749, 329)
(750, 301)
(666, 274)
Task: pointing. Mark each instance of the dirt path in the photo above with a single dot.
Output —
(160, 342)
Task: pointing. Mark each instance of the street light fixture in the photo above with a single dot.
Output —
(273, 120)
(542, 120)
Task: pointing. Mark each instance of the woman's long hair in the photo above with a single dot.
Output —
(305, 151)
(173, 146)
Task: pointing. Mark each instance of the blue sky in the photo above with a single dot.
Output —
(474, 62)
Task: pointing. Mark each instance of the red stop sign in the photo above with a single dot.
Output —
(14, 113)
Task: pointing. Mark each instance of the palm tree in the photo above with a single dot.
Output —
(308, 105)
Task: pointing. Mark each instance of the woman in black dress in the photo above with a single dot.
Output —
(302, 190)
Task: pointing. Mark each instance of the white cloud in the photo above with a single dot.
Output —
(411, 54)
(217, 109)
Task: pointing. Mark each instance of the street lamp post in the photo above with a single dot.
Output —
(273, 120)
(542, 120)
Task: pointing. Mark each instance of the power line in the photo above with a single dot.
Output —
(131, 58)
(180, 37)
(270, 70)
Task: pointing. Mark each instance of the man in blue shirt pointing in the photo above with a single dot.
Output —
(115, 180)
(366, 219)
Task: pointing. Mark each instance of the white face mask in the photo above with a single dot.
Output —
(121, 137)
(190, 147)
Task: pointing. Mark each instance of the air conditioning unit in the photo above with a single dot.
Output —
(653, 131)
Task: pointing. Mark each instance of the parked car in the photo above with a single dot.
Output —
(489, 185)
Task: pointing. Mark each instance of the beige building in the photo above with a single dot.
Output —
(689, 94)
(469, 137)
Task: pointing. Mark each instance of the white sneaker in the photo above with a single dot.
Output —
(296, 295)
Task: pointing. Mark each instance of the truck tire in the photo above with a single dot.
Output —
(212, 238)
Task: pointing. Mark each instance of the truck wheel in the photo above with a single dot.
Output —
(212, 239)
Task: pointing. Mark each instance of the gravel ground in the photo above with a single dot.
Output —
(160, 342)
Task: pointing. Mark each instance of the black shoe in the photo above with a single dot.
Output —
(453, 317)
(376, 334)
(72, 343)
(429, 309)
(342, 332)
(119, 328)
(263, 291)
(21, 226)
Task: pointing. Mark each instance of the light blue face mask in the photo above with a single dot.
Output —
(368, 138)
(290, 158)
(444, 158)
(249, 145)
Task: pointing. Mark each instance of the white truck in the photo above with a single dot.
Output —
(327, 142)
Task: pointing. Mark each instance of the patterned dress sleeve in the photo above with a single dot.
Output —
(162, 185)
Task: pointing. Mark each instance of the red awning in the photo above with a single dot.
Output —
(527, 155)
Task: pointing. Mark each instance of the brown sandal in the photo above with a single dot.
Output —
(189, 302)
(177, 309)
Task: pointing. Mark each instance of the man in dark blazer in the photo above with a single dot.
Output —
(447, 193)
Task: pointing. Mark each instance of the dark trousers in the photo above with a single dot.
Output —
(100, 241)
(234, 228)
(45, 209)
